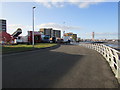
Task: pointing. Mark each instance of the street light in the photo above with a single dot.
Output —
(64, 25)
(33, 28)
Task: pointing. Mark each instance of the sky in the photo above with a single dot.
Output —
(81, 18)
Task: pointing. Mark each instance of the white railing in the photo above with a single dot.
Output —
(111, 55)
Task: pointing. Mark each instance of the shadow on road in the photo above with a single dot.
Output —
(41, 69)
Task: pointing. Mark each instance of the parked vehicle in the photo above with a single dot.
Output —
(67, 39)
(22, 39)
(45, 38)
(53, 40)
(59, 40)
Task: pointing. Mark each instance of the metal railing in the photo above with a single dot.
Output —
(111, 55)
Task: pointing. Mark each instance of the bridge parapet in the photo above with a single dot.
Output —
(111, 55)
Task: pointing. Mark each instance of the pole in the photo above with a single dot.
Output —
(33, 29)
(63, 30)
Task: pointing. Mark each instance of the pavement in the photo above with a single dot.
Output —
(66, 66)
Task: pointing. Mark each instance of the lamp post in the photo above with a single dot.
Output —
(63, 30)
(33, 28)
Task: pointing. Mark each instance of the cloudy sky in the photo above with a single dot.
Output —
(75, 16)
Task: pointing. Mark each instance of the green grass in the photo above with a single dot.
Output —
(24, 47)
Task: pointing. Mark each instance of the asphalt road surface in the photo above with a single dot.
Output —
(68, 66)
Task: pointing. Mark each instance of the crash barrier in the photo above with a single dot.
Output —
(111, 55)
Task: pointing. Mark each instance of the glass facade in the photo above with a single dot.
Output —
(2, 25)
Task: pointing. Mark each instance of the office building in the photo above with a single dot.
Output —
(57, 33)
(2, 25)
(46, 31)
(51, 32)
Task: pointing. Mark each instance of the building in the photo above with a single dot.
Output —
(46, 31)
(57, 33)
(74, 36)
(51, 32)
(68, 34)
(3, 25)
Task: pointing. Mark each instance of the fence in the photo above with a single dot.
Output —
(111, 55)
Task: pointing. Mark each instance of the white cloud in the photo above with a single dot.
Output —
(60, 0)
(79, 3)
(47, 4)
(51, 4)
(60, 3)
(83, 4)
(99, 35)
(103, 33)
(13, 27)
(58, 26)
(107, 33)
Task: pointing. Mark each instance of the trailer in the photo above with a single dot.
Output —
(22, 40)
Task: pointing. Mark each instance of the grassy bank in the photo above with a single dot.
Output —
(24, 47)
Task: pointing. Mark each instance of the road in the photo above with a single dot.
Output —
(68, 66)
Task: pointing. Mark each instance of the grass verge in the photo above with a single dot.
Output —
(24, 47)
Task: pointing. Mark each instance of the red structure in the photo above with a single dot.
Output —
(37, 37)
(5, 37)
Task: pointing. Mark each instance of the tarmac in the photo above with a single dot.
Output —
(64, 66)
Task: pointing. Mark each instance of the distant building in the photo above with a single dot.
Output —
(51, 32)
(74, 36)
(68, 34)
(57, 33)
(3, 25)
(46, 31)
